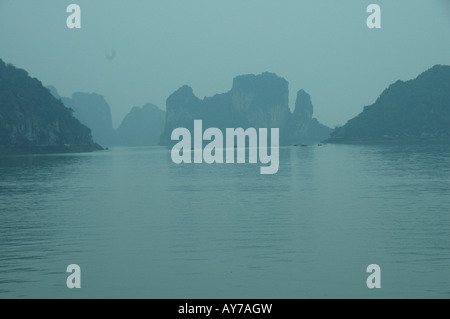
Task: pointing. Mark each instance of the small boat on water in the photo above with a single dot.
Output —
(304, 145)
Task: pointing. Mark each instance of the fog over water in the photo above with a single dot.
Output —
(323, 47)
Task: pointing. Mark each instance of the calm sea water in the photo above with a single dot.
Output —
(140, 226)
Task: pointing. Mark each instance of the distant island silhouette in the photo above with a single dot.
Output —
(92, 110)
(259, 101)
(142, 126)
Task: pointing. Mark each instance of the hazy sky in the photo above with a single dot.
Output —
(321, 46)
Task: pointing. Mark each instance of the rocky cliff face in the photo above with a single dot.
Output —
(263, 100)
(303, 107)
(418, 109)
(302, 125)
(141, 127)
(92, 110)
(32, 120)
(260, 101)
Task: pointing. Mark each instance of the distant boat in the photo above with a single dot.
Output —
(304, 145)
(320, 144)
